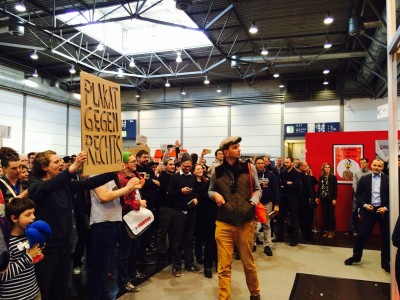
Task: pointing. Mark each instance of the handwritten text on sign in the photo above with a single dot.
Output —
(101, 124)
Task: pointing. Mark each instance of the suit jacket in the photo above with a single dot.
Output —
(364, 190)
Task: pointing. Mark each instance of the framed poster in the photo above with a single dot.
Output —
(346, 161)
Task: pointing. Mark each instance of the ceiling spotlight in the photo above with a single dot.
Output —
(35, 74)
(206, 81)
(34, 55)
(219, 90)
(183, 92)
(100, 47)
(137, 95)
(132, 63)
(72, 70)
(178, 57)
(120, 73)
(328, 43)
(20, 6)
(253, 28)
(281, 85)
(276, 74)
(328, 19)
(167, 84)
(326, 71)
(326, 82)
(264, 51)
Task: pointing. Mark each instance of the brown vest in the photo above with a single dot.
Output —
(237, 209)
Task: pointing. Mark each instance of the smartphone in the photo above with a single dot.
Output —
(272, 214)
(191, 203)
(208, 151)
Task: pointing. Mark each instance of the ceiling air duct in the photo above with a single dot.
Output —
(235, 64)
(184, 5)
(356, 26)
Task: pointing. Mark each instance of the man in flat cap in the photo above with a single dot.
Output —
(235, 189)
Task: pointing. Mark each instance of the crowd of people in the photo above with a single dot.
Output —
(203, 214)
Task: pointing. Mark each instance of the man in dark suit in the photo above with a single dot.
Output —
(373, 198)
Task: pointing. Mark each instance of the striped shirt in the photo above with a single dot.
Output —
(18, 281)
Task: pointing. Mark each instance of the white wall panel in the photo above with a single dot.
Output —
(46, 123)
(129, 115)
(74, 131)
(11, 114)
(361, 115)
(312, 112)
(160, 127)
(199, 122)
(204, 128)
(259, 126)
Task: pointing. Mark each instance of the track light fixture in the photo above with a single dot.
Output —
(20, 6)
(264, 51)
(100, 47)
(132, 63)
(72, 70)
(328, 19)
(167, 84)
(326, 82)
(219, 90)
(137, 95)
(206, 81)
(281, 85)
(326, 71)
(34, 55)
(253, 28)
(178, 57)
(328, 43)
(276, 74)
(35, 74)
(183, 92)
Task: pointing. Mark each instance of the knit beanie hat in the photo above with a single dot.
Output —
(125, 156)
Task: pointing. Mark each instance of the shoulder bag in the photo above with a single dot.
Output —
(261, 212)
(138, 221)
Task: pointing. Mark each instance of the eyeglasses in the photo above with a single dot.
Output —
(183, 166)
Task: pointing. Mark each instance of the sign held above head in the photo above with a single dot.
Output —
(101, 124)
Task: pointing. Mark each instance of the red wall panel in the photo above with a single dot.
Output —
(319, 149)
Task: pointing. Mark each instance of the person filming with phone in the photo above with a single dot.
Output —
(182, 193)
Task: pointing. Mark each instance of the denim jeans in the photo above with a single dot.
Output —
(103, 246)
(127, 257)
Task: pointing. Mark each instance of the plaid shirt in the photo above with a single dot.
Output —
(129, 201)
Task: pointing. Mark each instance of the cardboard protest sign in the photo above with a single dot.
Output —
(101, 124)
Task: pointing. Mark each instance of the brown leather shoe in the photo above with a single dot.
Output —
(331, 235)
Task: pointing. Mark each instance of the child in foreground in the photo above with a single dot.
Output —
(18, 281)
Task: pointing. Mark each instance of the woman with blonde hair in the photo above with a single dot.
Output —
(327, 195)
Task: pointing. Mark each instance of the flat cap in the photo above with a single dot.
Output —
(229, 141)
